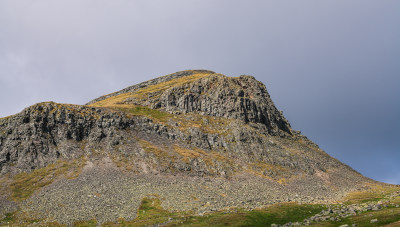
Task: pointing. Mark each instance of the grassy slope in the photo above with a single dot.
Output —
(373, 193)
(23, 185)
(151, 213)
(118, 100)
(384, 216)
(388, 215)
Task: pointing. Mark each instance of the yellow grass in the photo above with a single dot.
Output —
(176, 153)
(119, 100)
(149, 147)
(283, 176)
(142, 93)
(374, 192)
(25, 184)
(114, 101)
(188, 154)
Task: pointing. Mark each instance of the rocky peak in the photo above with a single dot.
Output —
(206, 93)
(148, 83)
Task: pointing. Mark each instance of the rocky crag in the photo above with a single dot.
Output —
(200, 140)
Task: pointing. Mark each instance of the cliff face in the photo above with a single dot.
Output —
(205, 93)
(243, 98)
(45, 132)
(189, 124)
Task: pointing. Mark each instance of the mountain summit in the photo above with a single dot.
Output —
(205, 93)
(197, 140)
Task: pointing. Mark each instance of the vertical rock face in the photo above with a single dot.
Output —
(45, 132)
(243, 98)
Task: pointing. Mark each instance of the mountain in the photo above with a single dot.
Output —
(194, 142)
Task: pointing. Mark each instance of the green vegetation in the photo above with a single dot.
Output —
(25, 184)
(119, 100)
(278, 214)
(215, 125)
(237, 218)
(283, 213)
(147, 112)
(17, 219)
(384, 216)
(160, 87)
(9, 218)
(150, 213)
(150, 209)
(374, 193)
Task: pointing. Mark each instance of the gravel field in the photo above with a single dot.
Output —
(104, 193)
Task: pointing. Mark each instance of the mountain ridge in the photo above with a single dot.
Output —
(151, 82)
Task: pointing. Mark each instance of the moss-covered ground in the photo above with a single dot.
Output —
(374, 192)
(23, 185)
(143, 93)
(384, 217)
(151, 213)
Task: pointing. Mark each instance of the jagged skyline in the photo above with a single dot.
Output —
(332, 67)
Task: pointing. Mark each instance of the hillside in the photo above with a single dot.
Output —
(189, 143)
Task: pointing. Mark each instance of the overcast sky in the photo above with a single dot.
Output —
(333, 67)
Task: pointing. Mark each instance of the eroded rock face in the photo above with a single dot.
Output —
(158, 80)
(45, 132)
(243, 98)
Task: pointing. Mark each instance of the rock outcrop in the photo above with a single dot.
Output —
(45, 132)
(243, 98)
(155, 81)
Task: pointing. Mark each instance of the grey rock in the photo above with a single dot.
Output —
(151, 82)
(242, 98)
(376, 207)
(374, 220)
